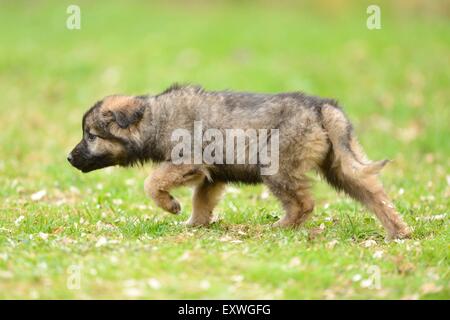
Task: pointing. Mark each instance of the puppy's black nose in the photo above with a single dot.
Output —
(70, 158)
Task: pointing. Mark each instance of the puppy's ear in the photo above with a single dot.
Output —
(124, 119)
(125, 111)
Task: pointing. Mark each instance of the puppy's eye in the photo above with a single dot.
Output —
(91, 137)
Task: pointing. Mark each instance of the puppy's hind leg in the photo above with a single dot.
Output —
(295, 198)
(205, 198)
(367, 189)
(347, 168)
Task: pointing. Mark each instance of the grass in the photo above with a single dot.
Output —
(393, 83)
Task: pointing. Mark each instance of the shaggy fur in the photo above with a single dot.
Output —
(314, 134)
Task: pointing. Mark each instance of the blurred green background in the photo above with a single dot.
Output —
(393, 83)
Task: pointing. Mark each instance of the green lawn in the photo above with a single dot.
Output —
(60, 228)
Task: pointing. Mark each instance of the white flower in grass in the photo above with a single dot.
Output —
(42, 266)
(357, 277)
(233, 190)
(19, 220)
(39, 195)
(74, 190)
(101, 242)
(225, 238)
(332, 244)
(114, 259)
(205, 285)
(369, 243)
(232, 207)
(117, 202)
(237, 278)
(132, 292)
(367, 283)
(154, 283)
(43, 236)
(265, 194)
(378, 254)
(295, 262)
(432, 217)
(185, 256)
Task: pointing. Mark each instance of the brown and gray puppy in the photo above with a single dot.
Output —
(314, 134)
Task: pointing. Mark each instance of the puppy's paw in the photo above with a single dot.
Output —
(166, 202)
(191, 222)
(286, 224)
(404, 233)
(173, 206)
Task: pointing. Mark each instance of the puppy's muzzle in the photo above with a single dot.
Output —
(70, 158)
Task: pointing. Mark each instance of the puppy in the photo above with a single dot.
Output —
(311, 134)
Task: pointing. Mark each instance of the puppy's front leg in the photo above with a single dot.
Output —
(169, 176)
(205, 198)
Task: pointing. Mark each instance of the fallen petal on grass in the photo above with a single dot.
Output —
(101, 242)
(39, 195)
(369, 243)
(154, 283)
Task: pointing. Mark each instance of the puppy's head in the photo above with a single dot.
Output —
(111, 134)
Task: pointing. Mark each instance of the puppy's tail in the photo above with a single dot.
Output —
(347, 168)
(347, 153)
